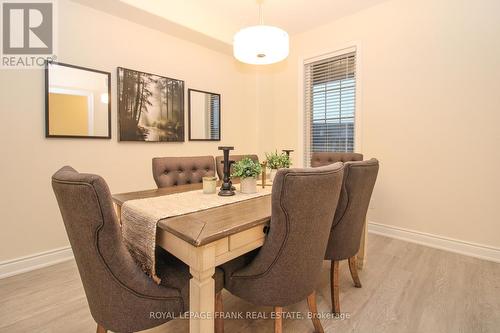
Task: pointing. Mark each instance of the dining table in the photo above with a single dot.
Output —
(207, 238)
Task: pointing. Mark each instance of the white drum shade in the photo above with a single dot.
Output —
(261, 45)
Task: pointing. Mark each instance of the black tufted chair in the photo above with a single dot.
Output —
(173, 171)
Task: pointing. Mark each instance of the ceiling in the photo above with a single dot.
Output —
(220, 19)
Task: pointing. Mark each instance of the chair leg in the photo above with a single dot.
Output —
(278, 321)
(334, 286)
(353, 267)
(313, 309)
(101, 329)
(219, 309)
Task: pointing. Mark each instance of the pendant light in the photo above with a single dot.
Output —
(261, 44)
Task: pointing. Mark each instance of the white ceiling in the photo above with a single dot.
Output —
(220, 19)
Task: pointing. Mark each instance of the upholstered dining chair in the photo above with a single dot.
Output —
(350, 216)
(120, 296)
(173, 171)
(219, 166)
(324, 158)
(287, 267)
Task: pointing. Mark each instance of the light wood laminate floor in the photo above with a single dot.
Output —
(406, 288)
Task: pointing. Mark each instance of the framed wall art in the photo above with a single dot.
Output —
(150, 107)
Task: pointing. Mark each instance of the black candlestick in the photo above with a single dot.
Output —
(227, 187)
(287, 151)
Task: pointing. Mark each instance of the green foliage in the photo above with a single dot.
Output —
(273, 160)
(246, 168)
(277, 161)
(284, 161)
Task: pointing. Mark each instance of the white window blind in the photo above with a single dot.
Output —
(330, 105)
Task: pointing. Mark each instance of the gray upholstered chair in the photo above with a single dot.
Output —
(120, 296)
(219, 166)
(173, 171)
(287, 268)
(324, 158)
(349, 221)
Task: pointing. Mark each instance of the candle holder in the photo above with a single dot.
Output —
(227, 187)
(209, 185)
(287, 151)
(264, 175)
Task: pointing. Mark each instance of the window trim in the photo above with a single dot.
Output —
(358, 128)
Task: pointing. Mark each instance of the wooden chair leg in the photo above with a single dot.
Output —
(101, 329)
(219, 309)
(353, 267)
(334, 286)
(313, 309)
(278, 321)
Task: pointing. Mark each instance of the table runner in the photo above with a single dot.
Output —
(140, 218)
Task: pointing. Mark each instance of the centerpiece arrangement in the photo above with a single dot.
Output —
(277, 161)
(247, 170)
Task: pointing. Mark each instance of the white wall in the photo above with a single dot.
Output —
(30, 219)
(430, 108)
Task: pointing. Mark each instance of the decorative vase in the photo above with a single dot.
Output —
(272, 174)
(248, 185)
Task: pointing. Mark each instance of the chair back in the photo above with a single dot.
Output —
(117, 290)
(324, 158)
(173, 171)
(219, 166)
(288, 266)
(350, 215)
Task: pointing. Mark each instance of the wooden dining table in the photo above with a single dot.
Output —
(208, 238)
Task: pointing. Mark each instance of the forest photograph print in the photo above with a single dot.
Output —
(150, 107)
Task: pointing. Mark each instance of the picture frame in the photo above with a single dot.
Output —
(204, 116)
(77, 102)
(150, 107)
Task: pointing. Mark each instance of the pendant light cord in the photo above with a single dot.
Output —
(261, 14)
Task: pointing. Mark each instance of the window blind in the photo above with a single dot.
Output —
(330, 105)
(214, 117)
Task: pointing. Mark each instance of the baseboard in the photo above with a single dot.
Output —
(35, 261)
(444, 243)
(52, 257)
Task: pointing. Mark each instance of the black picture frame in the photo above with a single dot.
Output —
(189, 114)
(124, 129)
(47, 111)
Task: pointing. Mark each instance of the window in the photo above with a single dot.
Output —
(330, 104)
(214, 117)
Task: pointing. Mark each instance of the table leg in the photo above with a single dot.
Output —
(202, 300)
(201, 262)
(361, 258)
